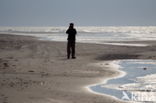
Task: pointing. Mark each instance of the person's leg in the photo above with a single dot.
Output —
(68, 49)
(73, 49)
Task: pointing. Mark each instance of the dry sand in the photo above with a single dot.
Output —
(33, 71)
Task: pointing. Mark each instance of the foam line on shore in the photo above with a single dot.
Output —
(46, 37)
(114, 66)
(141, 88)
(128, 44)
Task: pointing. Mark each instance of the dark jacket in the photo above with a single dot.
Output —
(71, 34)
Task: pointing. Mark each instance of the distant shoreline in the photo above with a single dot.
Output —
(90, 34)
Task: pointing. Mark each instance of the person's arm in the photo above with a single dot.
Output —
(75, 31)
(67, 31)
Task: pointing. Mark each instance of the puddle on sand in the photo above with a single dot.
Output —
(137, 85)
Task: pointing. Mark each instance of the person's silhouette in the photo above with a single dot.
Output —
(71, 41)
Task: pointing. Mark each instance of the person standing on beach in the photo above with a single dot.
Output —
(71, 31)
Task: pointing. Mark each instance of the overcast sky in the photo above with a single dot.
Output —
(81, 12)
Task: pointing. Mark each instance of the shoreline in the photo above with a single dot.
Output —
(114, 66)
(62, 80)
(139, 92)
(136, 43)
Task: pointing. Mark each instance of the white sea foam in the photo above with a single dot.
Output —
(138, 84)
(144, 89)
(127, 44)
(100, 35)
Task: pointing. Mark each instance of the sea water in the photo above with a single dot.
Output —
(137, 85)
(88, 34)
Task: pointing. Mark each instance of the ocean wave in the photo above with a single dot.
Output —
(87, 34)
(126, 29)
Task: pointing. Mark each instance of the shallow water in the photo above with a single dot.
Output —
(138, 84)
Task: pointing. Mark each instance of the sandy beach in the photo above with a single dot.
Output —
(35, 71)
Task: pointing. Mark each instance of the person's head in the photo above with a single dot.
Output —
(71, 25)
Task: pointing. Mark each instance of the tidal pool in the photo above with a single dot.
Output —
(137, 85)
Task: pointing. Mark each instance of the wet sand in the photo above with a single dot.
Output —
(33, 71)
